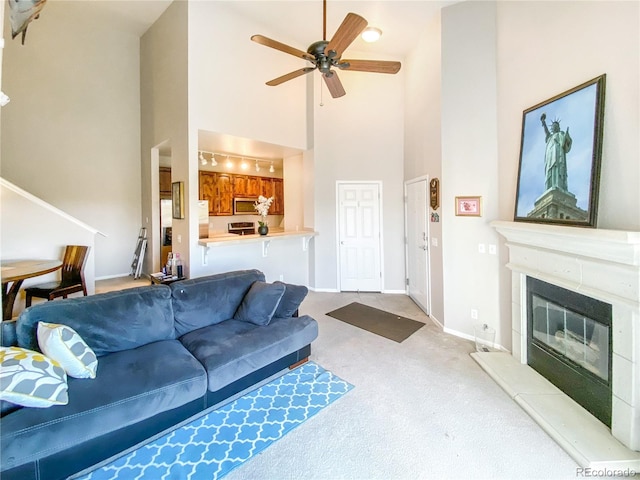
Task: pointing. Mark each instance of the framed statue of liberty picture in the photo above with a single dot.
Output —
(560, 153)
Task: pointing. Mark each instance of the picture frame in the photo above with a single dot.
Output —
(469, 206)
(434, 193)
(177, 200)
(560, 157)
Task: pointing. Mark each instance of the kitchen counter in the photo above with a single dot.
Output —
(282, 254)
(226, 239)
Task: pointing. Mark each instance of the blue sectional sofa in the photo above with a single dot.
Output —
(165, 354)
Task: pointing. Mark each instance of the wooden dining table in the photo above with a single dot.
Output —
(14, 272)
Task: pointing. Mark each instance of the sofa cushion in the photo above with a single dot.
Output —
(232, 349)
(65, 346)
(205, 301)
(30, 379)
(107, 322)
(260, 303)
(291, 300)
(131, 386)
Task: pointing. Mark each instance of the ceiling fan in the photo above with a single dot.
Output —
(326, 55)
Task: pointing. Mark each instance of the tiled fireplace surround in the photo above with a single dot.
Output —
(602, 264)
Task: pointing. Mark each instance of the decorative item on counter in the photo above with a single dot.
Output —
(178, 266)
(262, 206)
(168, 267)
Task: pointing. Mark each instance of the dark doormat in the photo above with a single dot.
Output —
(385, 324)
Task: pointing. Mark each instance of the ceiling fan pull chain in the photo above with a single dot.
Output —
(320, 80)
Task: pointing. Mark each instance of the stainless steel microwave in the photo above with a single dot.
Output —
(244, 206)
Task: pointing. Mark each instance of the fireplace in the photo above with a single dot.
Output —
(569, 343)
(603, 265)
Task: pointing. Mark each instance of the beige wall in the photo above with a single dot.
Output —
(164, 105)
(422, 139)
(71, 133)
(497, 60)
(359, 137)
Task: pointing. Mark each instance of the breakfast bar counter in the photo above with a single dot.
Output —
(226, 239)
(281, 254)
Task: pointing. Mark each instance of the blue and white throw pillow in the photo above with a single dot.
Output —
(63, 344)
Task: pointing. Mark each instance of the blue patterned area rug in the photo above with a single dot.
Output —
(216, 443)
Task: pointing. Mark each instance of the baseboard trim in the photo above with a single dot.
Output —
(466, 336)
(109, 277)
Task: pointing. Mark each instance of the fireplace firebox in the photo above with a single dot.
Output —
(569, 343)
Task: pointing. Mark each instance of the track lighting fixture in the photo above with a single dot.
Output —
(204, 157)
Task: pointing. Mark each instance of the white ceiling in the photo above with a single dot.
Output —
(298, 23)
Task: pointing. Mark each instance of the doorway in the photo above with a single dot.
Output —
(359, 240)
(417, 242)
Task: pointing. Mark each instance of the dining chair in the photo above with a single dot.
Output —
(75, 257)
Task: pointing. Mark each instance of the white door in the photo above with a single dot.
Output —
(417, 242)
(359, 237)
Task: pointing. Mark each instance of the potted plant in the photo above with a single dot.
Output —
(262, 206)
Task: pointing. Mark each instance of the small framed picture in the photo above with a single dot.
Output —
(177, 199)
(468, 206)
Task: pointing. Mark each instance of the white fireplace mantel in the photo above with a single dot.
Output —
(602, 264)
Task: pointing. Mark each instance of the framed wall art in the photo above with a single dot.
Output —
(560, 152)
(177, 199)
(468, 206)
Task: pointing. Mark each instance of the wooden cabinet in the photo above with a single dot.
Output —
(219, 189)
(207, 189)
(273, 187)
(277, 207)
(224, 186)
(165, 182)
(253, 186)
(240, 186)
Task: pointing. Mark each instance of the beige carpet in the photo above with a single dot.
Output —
(420, 409)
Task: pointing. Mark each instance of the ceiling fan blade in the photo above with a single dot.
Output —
(375, 66)
(334, 84)
(267, 42)
(290, 76)
(349, 29)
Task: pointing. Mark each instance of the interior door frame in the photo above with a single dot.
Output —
(421, 178)
(337, 236)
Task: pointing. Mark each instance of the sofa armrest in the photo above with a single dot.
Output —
(8, 335)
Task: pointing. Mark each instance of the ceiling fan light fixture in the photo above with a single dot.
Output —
(371, 34)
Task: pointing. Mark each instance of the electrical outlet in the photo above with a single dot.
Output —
(474, 314)
(482, 248)
(492, 249)
(281, 277)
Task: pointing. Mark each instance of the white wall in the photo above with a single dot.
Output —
(578, 42)
(227, 91)
(359, 137)
(71, 133)
(24, 238)
(422, 138)
(470, 166)
(499, 59)
(164, 87)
